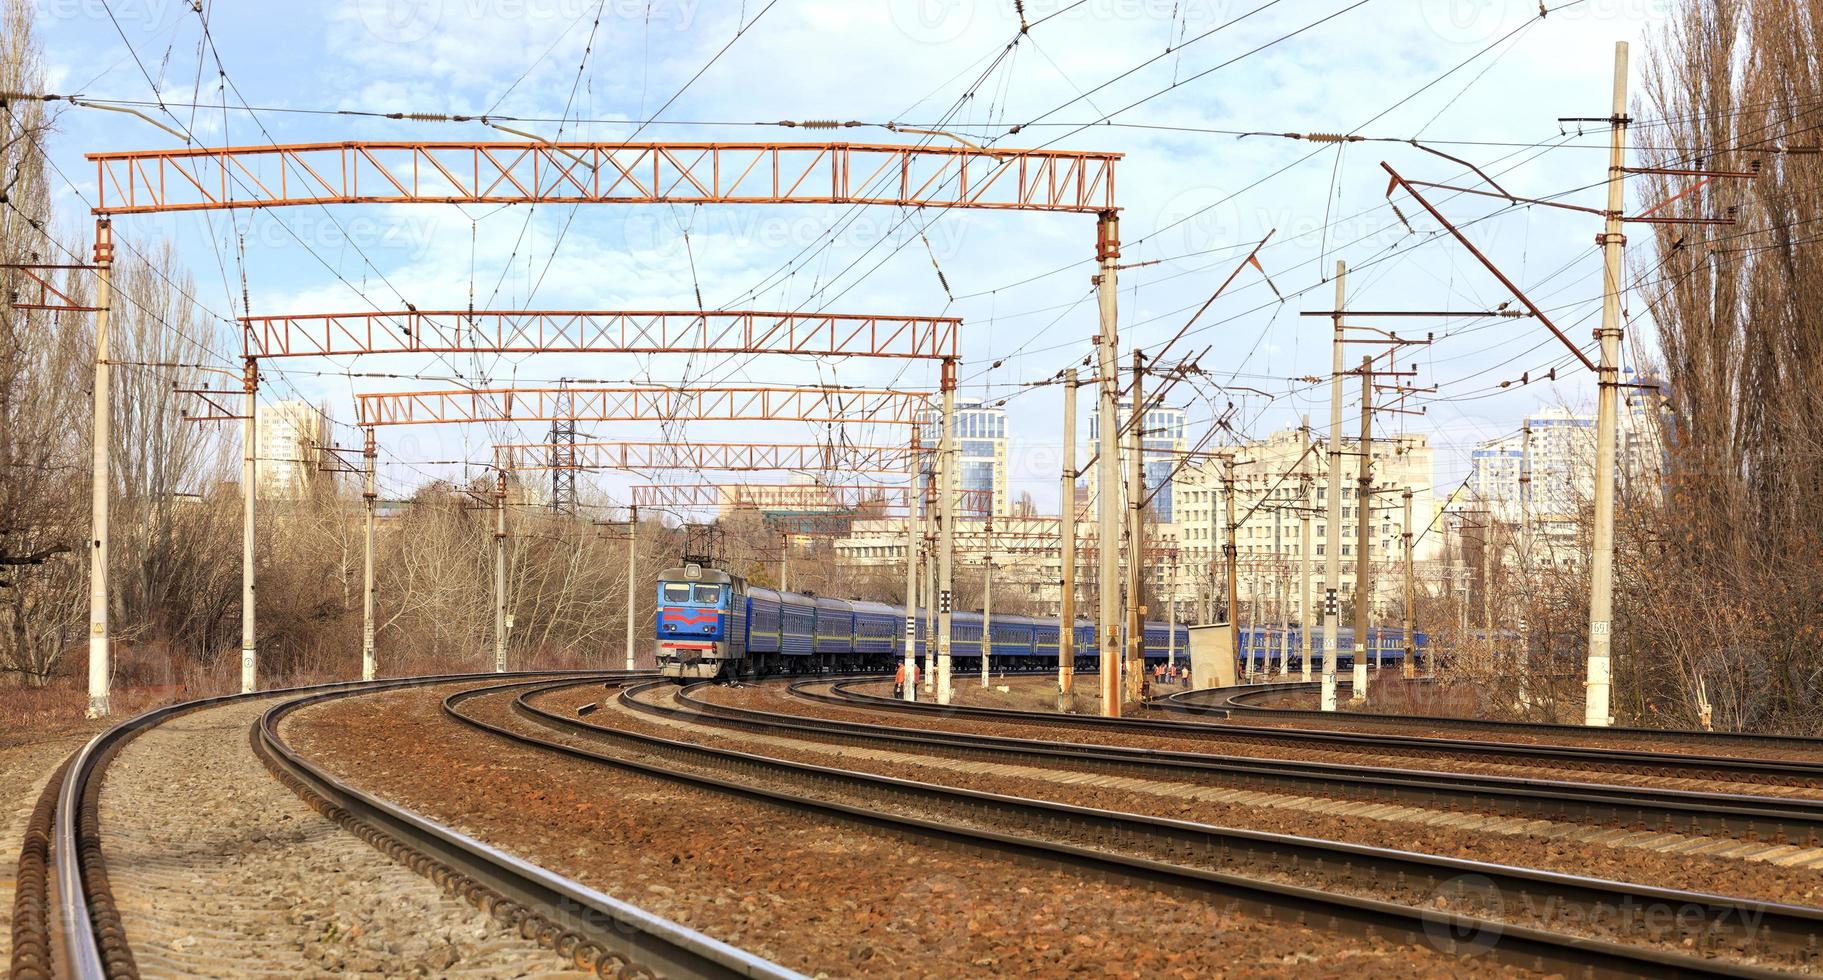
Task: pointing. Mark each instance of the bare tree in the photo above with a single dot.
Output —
(1722, 610)
(42, 373)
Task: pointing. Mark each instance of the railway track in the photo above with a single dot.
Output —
(1239, 702)
(121, 892)
(1201, 859)
(1581, 758)
(1764, 823)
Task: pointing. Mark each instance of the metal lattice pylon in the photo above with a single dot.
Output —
(563, 455)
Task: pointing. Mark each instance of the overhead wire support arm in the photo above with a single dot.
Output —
(1512, 287)
(216, 409)
(49, 296)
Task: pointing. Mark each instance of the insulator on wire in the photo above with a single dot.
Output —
(1331, 138)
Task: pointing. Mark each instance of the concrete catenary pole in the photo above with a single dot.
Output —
(928, 675)
(1525, 530)
(1107, 465)
(1134, 671)
(1487, 587)
(1171, 615)
(1364, 528)
(370, 666)
(1066, 529)
(250, 382)
(632, 577)
(500, 572)
(101, 672)
(1254, 647)
(910, 691)
(946, 523)
(1215, 534)
(1411, 617)
(1233, 551)
(1305, 620)
(1278, 588)
(1332, 531)
(1597, 702)
(987, 604)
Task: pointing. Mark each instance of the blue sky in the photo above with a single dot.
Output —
(1194, 196)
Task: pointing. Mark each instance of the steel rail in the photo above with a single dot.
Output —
(1793, 929)
(81, 871)
(1740, 816)
(1645, 762)
(95, 941)
(1228, 701)
(1449, 931)
(638, 936)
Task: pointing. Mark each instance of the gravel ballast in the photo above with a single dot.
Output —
(817, 894)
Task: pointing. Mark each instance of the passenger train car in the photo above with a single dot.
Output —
(712, 624)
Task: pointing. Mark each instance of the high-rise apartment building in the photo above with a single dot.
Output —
(981, 444)
(289, 437)
(1163, 434)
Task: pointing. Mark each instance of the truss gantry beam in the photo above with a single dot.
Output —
(779, 496)
(600, 331)
(704, 456)
(507, 172)
(645, 404)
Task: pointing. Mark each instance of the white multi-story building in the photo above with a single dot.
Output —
(1547, 472)
(289, 438)
(1273, 493)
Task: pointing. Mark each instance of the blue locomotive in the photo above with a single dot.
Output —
(711, 624)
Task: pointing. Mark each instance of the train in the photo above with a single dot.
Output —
(712, 624)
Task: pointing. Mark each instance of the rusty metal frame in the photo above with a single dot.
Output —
(215, 405)
(645, 403)
(600, 331)
(49, 296)
(704, 456)
(514, 172)
(779, 496)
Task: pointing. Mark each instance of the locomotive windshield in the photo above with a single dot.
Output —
(695, 594)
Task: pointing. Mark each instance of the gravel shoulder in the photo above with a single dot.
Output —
(221, 871)
(819, 895)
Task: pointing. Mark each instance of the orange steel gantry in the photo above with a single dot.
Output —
(600, 331)
(724, 457)
(354, 172)
(645, 403)
(507, 172)
(750, 496)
